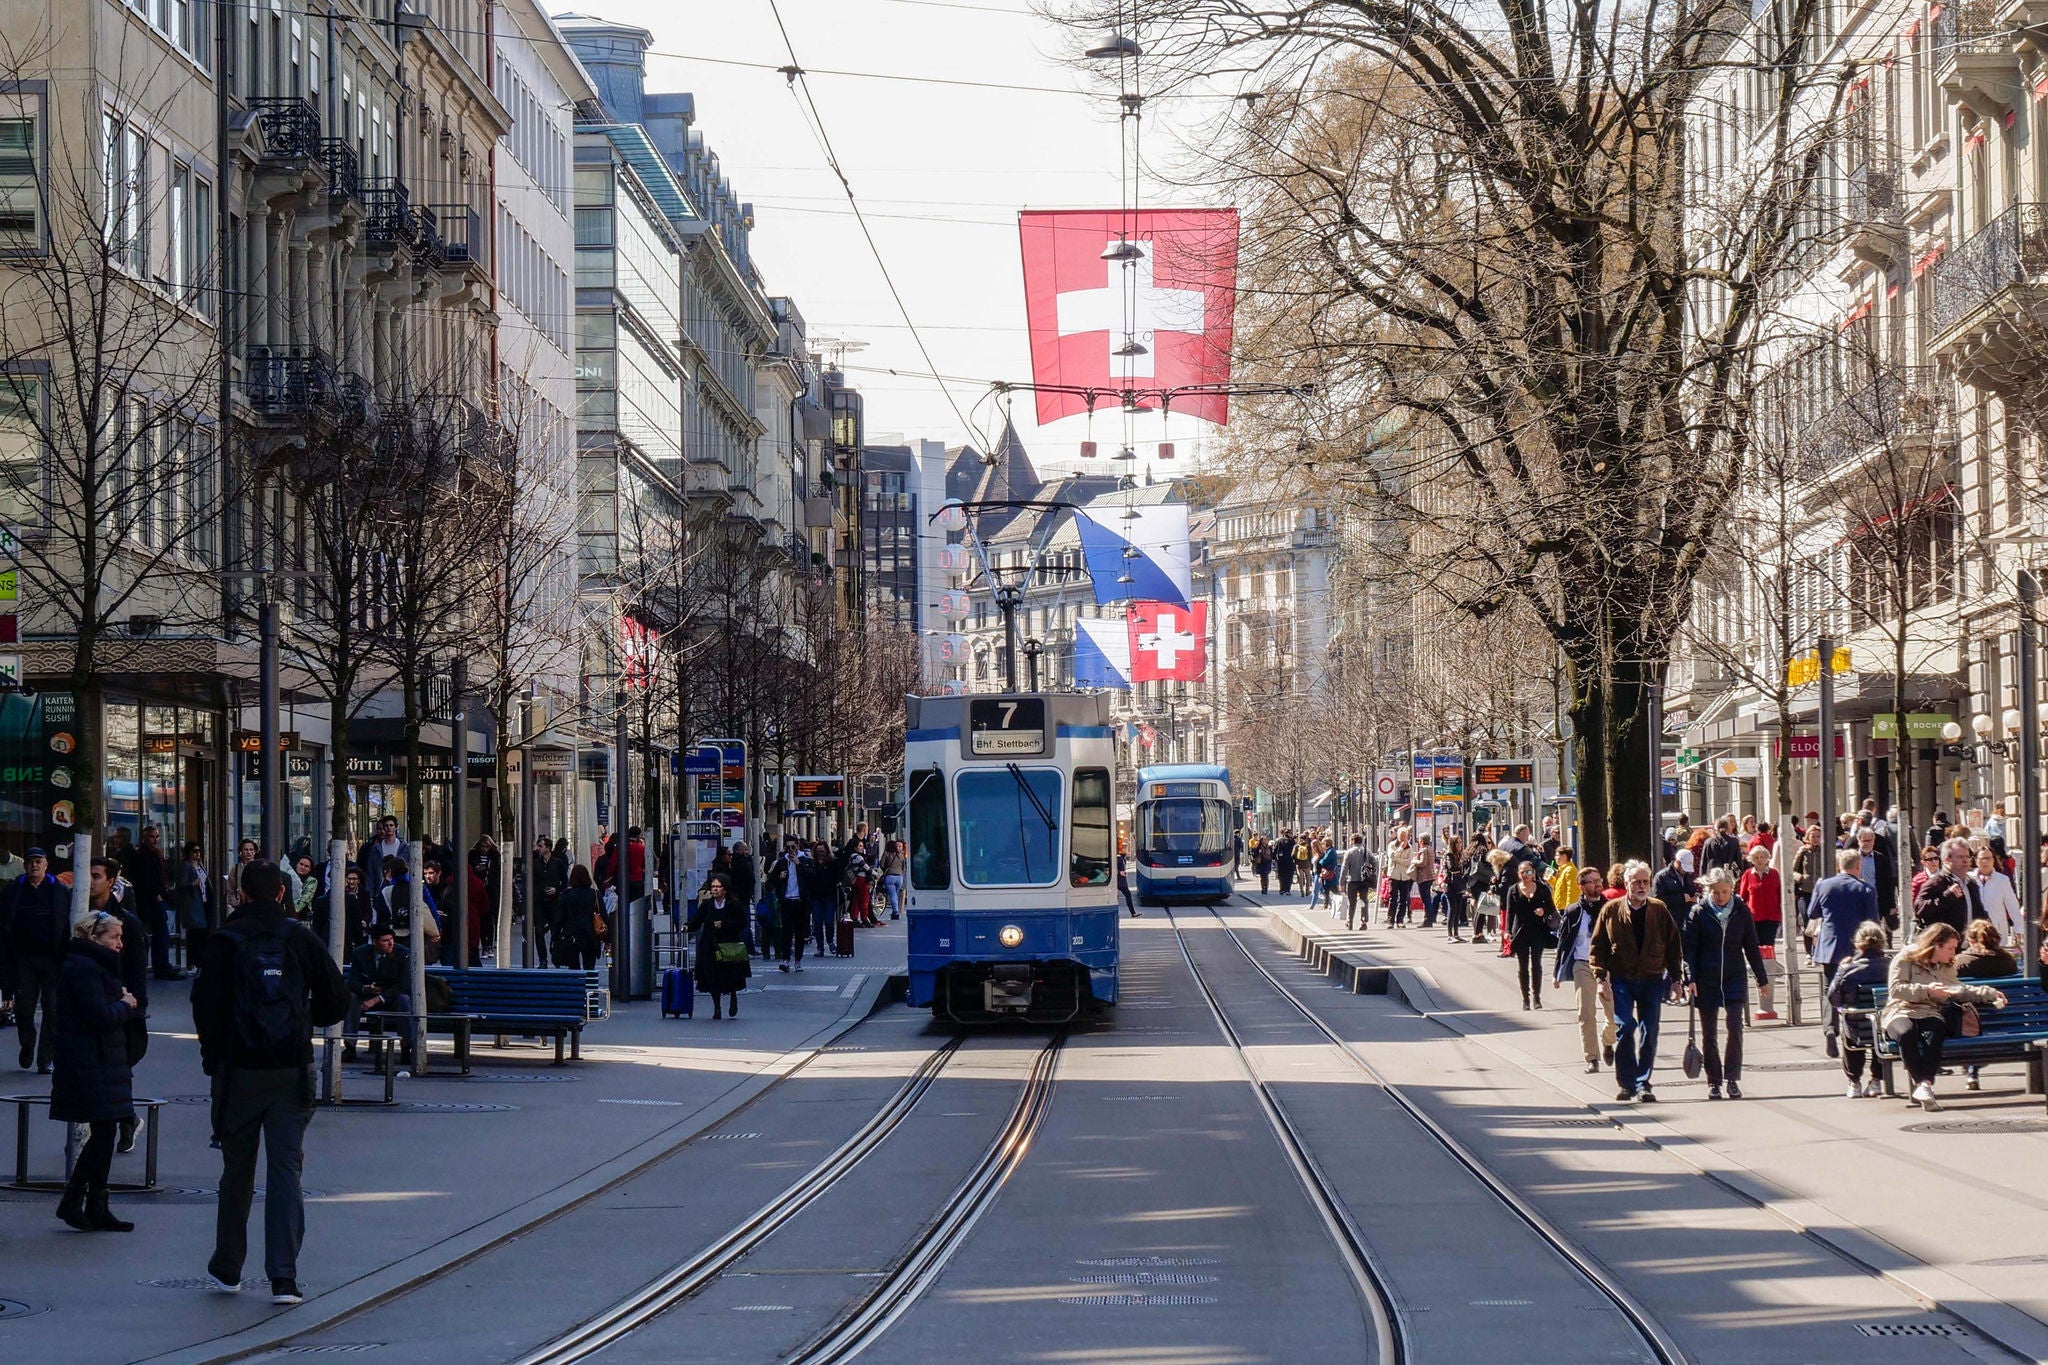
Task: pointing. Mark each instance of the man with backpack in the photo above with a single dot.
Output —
(265, 982)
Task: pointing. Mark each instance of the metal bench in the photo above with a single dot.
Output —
(2019, 1032)
(151, 1111)
(556, 1002)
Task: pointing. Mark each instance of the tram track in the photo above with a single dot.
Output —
(690, 1276)
(1654, 1337)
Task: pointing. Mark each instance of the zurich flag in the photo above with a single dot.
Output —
(1102, 654)
(1150, 549)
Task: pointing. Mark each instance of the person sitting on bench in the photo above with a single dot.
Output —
(379, 978)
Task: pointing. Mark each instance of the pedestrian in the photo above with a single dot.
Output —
(103, 897)
(895, 856)
(1456, 877)
(822, 893)
(577, 938)
(1563, 878)
(1875, 866)
(1718, 941)
(1422, 876)
(192, 901)
(1951, 896)
(789, 879)
(1527, 915)
(1262, 863)
(1997, 902)
(1327, 861)
(742, 880)
(1867, 966)
(1809, 865)
(1283, 861)
(1763, 891)
(149, 873)
(1355, 870)
(1840, 904)
(1575, 969)
(1400, 863)
(1984, 957)
(264, 985)
(88, 1017)
(1924, 1004)
(1723, 848)
(723, 963)
(304, 889)
(1489, 879)
(1636, 948)
(39, 924)
(1123, 884)
(1675, 885)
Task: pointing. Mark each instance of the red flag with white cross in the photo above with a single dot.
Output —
(1168, 641)
(1140, 300)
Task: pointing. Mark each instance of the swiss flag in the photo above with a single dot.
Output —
(1174, 298)
(1168, 641)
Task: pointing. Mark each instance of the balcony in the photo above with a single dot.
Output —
(1899, 415)
(427, 248)
(461, 234)
(1876, 213)
(291, 127)
(289, 381)
(1975, 60)
(1988, 306)
(344, 173)
(390, 223)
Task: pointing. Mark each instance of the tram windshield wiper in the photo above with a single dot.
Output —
(1017, 775)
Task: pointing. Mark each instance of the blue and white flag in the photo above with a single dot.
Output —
(1102, 654)
(1158, 569)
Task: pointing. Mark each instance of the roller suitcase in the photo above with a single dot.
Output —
(844, 944)
(678, 993)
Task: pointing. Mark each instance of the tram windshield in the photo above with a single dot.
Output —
(1006, 838)
(1184, 824)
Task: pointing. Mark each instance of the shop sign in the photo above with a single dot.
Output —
(1733, 767)
(1919, 724)
(251, 741)
(10, 670)
(10, 585)
(160, 744)
(298, 765)
(1807, 746)
(548, 760)
(369, 766)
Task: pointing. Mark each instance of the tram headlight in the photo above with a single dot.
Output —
(1009, 935)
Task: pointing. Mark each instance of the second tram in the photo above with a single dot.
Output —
(1012, 895)
(1183, 834)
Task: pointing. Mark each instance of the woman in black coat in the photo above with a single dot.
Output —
(1719, 944)
(92, 1083)
(574, 941)
(718, 920)
(1526, 910)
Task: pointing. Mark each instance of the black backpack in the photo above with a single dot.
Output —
(272, 1022)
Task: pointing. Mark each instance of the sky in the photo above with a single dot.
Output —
(940, 171)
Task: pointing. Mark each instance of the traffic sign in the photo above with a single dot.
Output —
(1386, 784)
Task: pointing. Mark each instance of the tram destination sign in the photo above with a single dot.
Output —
(1006, 727)
(818, 790)
(1503, 772)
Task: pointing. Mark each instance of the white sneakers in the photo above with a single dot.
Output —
(1871, 1088)
(1923, 1095)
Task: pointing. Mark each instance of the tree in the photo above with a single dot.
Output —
(109, 468)
(1486, 221)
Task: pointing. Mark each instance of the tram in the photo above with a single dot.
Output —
(1012, 898)
(1183, 833)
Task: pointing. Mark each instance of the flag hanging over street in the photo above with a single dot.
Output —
(1168, 642)
(1172, 302)
(1157, 537)
(1102, 654)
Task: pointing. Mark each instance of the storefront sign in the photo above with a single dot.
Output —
(10, 670)
(1807, 746)
(435, 774)
(298, 765)
(548, 760)
(251, 741)
(371, 767)
(160, 744)
(10, 585)
(1738, 767)
(1919, 725)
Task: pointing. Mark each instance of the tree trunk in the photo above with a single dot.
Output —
(1609, 714)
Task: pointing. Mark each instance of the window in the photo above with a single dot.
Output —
(21, 197)
(1093, 849)
(21, 420)
(1009, 826)
(931, 861)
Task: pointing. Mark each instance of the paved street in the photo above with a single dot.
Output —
(1151, 1214)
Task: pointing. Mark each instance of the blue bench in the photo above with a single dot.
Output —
(2019, 1032)
(554, 1002)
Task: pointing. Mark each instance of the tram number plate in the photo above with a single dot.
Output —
(1004, 726)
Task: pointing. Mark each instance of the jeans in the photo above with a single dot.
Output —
(36, 980)
(1831, 1026)
(272, 1106)
(1594, 995)
(1921, 1048)
(796, 930)
(1529, 968)
(1354, 899)
(1709, 1031)
(892, 891)
(1638, 1004)
(824, 914)
(393, 1004)
(1397, 903)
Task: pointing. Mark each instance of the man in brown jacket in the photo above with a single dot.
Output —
(1635, 947)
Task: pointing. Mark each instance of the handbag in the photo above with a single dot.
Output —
(1971, 1024)
(734, 950)
(1694, 1062)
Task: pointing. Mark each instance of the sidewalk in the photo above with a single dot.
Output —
(1950, 1205)
(395, 1194)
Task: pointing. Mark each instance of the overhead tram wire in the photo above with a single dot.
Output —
(800, 90)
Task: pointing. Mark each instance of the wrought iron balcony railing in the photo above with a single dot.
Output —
(289, 380)
(344, 172)
(389, 220)
(2009, 250)
(1898, 409)
(461, 233)
(1875, 197)
(428, 248)
(291, 126)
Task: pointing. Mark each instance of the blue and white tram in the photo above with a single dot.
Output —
(1183, 830)
(1012, 895)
